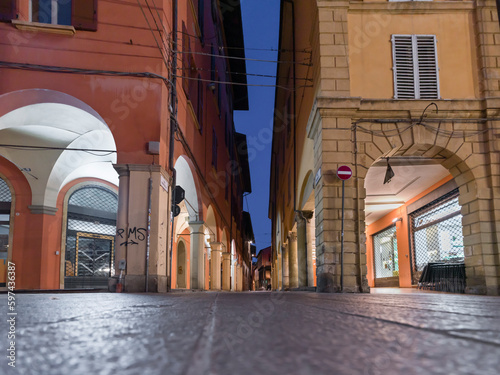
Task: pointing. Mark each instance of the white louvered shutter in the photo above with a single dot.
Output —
(415, 67)
(404, 71)
(427, 67)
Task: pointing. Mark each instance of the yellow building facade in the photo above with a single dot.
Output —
(405, 91)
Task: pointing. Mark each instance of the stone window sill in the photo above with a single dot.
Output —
(44, 27)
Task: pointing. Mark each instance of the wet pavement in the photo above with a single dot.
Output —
(252, 333)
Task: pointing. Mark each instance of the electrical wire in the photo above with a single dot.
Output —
(412, 122)
(243, 74)
(49, 148)
(245, 58)
(60, 69)
(241, 84)
(247, 48)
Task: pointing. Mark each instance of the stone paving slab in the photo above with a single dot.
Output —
(253, 333)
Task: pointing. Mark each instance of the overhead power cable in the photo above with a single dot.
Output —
(50, 148)
(245, 58)
(248, 48)
(241, 84)
(60, 69)
(243, 74)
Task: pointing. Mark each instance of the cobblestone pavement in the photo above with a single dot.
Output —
(252, 333)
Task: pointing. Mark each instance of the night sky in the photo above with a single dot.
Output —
(261, 29)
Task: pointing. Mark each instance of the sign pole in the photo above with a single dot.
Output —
(344, 173)
(342, 242)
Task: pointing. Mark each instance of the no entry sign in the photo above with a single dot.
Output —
(344, 172)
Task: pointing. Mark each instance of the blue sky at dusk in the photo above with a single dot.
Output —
(261, 28)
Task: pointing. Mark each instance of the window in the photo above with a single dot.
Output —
(289, 186)
(288, 118)
(201, 19)
(415, 67)
(214, 11)
(219, 96)
(7, 10)
(437, 232)
(90, 237)
(199, 107)
(5, 205)
(214, 149)
(226, 133)
(82, 14)
(212, 63)
(385, 253)
(226, 192)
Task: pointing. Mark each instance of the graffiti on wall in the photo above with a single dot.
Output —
(132, 236)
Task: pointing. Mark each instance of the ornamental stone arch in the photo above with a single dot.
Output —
(459, 147)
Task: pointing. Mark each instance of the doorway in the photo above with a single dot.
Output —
(385, 255)
(181, 265)
(90, 236)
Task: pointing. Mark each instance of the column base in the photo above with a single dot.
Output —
(304, 289)
(137, 284)
(328, 284)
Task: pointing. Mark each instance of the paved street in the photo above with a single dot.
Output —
(253, 333)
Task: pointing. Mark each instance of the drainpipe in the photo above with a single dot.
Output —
(173, 128)
(294, 110)
(150, 193)
(358, 210)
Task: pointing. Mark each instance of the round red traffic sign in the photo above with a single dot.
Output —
(344, 172)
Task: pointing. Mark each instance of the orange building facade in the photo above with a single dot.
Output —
(406, 94)
(105, 107)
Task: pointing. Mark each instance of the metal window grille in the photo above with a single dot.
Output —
(5, 202)
(91, 228)
(436, 231)
(5, 195)
(385, 253)
(95, 197)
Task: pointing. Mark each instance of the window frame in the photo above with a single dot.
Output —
(415, 66)
(77, 19)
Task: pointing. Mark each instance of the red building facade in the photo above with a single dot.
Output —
(106, 106)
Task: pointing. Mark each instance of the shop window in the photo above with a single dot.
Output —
(385, 253)
(90, 237)
(82, 14)
(415, 67)
(437, 233)
(5, 206)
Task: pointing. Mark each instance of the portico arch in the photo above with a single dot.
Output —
(53, 139)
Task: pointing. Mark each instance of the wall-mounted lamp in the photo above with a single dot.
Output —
(397, 219)
(389, 173)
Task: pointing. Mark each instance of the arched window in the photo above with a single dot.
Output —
(5, 203)
(90, 238)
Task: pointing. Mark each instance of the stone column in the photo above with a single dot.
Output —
(279, 267)
(240, 273)
(293, 260)
(197, 254)
(132, 227)
(122, 214)
(285, 283)
(215, 272)
(226, 271)
(237, 277)
(311, 240)
(303, 241)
